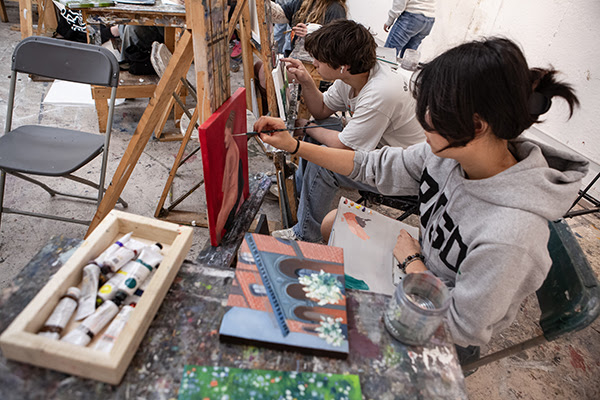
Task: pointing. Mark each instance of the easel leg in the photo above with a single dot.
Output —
(188, 134)
(178, 67)
(247, 59)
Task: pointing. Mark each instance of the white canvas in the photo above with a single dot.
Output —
(368, 239)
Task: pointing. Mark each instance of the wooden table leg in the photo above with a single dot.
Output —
(3, 13)
(178, 67)
(26, 18)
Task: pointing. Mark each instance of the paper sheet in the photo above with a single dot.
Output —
(368, 239)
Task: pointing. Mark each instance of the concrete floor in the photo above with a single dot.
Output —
(564, 369)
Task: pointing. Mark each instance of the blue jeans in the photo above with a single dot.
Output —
(408, 32)
(283, 40)
(317, 188)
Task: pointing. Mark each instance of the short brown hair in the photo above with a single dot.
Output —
(343, 42)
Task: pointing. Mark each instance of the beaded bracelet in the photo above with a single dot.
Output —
(409, 259)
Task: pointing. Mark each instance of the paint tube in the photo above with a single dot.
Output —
(62, 313)
(119, 258)
(85, 332)
(112, 249)
(89, 288)
(147, 256)
(108, 338)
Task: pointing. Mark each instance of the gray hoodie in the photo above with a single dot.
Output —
(485, 239)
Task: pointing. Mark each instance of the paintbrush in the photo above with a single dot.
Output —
(282, 130)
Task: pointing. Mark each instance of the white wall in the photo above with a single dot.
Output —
(563, 33)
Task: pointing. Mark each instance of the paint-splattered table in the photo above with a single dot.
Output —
(185, 331)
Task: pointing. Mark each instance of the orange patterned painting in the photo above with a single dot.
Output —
(288, 294)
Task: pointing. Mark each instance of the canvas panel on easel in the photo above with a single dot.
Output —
(368, 239)
(225, 162)
(290, 295)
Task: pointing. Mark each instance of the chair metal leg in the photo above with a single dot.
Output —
(74, 178)
(92, 184)
(509, 351)
(47, 216)
(48, 189)
(2, 180)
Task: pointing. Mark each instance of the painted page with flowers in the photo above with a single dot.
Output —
(217, 383)
(288, 295)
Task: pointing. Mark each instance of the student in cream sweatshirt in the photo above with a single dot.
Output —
(414, 20)
(486, 195)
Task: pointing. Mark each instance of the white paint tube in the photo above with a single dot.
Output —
(147, 256)
(108, 338)
(85, 332)
(112, 249)
(61, 315)
(89, 288)
(119, 258)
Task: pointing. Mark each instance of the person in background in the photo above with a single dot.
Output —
(414, 20)
(486, 194)
(297, 13)
(300, 12)
(379, 111)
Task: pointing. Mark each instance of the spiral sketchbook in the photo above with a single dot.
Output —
(288, 295)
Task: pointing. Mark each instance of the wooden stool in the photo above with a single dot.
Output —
(130, 87)
(3, 14)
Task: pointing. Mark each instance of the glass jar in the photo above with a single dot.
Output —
(417, 308)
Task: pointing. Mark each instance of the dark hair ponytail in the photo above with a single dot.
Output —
(545, 86)
(489, 78)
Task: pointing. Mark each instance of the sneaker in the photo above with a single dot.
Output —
(285, 234)
(237, 50)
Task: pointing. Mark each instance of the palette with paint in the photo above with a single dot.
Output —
(289, 295)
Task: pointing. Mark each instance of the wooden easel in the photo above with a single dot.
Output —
(204, 42)
(240, 14)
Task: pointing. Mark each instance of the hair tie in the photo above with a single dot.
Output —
(538, 103)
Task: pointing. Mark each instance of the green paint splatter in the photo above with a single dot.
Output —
(353, 283)
(391, 357)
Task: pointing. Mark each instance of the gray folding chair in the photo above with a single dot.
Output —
(569, 297)
(56, 152)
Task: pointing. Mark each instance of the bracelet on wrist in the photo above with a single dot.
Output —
(297, 147)
(409, 259)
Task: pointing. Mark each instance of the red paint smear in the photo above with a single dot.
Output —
(576, 359)
(355, 227)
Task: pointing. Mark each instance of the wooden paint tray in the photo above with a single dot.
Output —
(21, 343)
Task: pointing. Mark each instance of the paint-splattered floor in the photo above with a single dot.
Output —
(564, 369)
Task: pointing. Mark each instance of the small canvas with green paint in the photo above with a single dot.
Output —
(368, 239)
(219, 383)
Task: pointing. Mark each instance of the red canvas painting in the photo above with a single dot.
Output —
(225, 161)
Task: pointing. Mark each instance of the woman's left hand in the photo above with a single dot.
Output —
(406, 245)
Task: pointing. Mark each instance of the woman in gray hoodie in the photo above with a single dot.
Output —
(486, 195)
